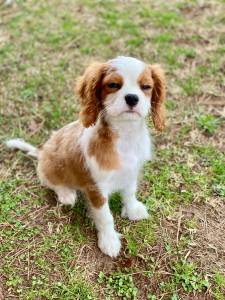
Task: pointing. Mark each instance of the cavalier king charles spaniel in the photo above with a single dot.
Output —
(104, 150)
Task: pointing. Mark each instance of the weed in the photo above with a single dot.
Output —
(219, 289)
(185, 274)
(207, 123)
(120, 284)
(132, 246)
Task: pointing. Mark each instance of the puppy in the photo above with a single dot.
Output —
(104, 150)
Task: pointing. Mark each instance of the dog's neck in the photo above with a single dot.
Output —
(123, 128)
(109, 140)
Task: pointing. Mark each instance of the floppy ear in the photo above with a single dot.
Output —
(88, 88)
(158, 97)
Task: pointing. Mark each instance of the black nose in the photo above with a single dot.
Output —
(131, 99)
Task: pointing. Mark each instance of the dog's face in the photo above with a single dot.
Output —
(122, 89)
(127, 89)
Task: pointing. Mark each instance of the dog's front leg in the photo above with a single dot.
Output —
(108, 237)
(132, 208)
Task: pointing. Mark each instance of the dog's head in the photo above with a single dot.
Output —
(124, 88)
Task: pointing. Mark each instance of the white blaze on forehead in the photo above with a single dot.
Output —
(128, 67)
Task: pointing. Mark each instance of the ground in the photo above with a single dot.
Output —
(50, 252)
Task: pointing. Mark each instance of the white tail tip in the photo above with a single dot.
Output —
(22, 145)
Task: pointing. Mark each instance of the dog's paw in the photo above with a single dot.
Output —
(67, 197)
(136, 211)
(109, 243)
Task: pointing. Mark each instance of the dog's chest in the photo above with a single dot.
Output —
(133, 149)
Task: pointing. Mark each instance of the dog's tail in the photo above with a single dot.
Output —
(22, 145)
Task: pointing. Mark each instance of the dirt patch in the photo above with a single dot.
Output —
(209, 248)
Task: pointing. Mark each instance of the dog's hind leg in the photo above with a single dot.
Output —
(66, 196)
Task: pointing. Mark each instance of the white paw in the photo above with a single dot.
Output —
(136, 211)
(67, 197)
(109, 242)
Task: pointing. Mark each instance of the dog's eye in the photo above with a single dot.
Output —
(114, 85)
(145, 87)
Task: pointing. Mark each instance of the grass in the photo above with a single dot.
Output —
(208, 123)
(50, 252)
(119, 284)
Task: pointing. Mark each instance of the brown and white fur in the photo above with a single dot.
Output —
(105, 149)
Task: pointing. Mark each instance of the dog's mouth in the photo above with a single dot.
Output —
(131, 112)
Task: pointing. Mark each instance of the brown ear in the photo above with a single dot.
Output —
(158, 97)
(88, 88)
